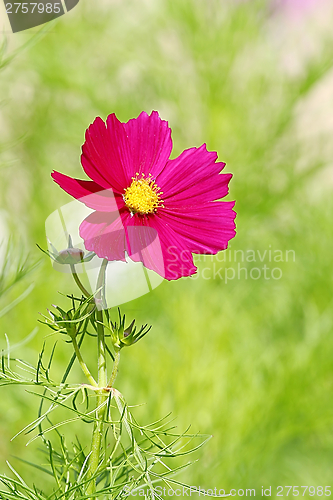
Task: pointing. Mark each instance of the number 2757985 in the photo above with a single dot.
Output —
(31, 8)
(284, 491)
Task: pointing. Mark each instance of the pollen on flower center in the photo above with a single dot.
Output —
(143, 195)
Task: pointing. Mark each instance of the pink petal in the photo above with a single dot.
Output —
(213, 188)
(206, 228)
(104, 234)
(168, 255)
(89, 193)
(191, 167)
(150, 143)
(143, 245)
(106, 154)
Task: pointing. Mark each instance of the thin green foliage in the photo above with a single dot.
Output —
(14, 267)
(133, 457)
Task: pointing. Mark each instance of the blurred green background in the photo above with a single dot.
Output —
(250, 360)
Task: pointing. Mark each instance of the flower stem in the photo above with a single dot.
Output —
(115, 369)
(84, 367)
(96, 443)
(102, 395)
(78, 282)
(102, 375)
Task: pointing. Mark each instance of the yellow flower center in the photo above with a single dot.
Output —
(143, 196)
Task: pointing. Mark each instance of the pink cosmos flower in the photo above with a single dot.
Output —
(158, 211)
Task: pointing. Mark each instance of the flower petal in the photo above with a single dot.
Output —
(106, 155)
(191, 167)
(206, 228)
(104, 234)
(143, 245)
(213, 188)
(150, 143)
(89, 193)
(167, 255)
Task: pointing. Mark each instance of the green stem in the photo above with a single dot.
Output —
(115, 369)
(78, 282)
(84, 367)
(96, 443)
(102, 375)
(102, 395)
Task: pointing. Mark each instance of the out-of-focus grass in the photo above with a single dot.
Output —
(248, 360)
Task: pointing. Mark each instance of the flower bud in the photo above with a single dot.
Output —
(64, 321)
(70, 256)
(129, 329)
(122, 337)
